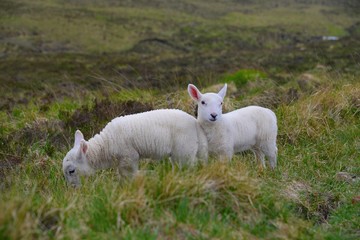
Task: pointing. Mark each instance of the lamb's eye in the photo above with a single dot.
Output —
(71, 171)
(221, 103)
(203, 102)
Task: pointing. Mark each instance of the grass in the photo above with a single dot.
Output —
(67, 66)
(222, 200)
(296, 19)
(243, 76)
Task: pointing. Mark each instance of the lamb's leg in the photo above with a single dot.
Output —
(203, 154)
(272, 158)
(270, 151)
(128, 167)
(184, 155)
(184, 160)
(172, 164)
(203, 148)
(272, 161)
(223, 158)
(226, 155)
(260, 157)
(191, 161)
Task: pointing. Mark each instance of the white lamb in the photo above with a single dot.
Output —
(155, 134)
(250, 128)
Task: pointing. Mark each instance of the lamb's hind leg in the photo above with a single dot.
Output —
(260, 157)
(270, 151)
(273, 158)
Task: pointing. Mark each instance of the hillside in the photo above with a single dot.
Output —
(67, 65)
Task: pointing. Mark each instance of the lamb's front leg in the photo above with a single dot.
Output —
(128, 167)
(226, 155)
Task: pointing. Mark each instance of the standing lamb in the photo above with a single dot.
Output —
(250, 128)
(155, 134)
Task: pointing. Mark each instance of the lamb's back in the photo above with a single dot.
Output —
(249, 124)
(152, 133)
(252, 114)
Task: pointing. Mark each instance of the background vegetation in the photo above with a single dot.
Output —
(67, 65)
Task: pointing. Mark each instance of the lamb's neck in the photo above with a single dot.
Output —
(211, 125)
(98, 153)
(213, 129)
(216, 134)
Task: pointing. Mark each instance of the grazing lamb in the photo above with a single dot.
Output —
(250, 128)
(155, 134)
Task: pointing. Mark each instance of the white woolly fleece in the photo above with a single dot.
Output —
(251, 128)
(155, 134)
(125, 140)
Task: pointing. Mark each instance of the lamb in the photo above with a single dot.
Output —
(155, 134)
(251, 128)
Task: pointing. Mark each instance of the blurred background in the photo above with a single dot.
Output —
(57, 48)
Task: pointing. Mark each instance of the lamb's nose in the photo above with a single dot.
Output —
(213, 115)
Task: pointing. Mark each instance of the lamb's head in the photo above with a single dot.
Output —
(75, 162)
(209, 104)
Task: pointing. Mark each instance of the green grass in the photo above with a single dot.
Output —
(86, 27)
(296, 20)
(300, 199)
(243, 76)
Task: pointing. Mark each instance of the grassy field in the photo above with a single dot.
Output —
(76, 65)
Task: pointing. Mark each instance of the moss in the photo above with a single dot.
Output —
(241, 77)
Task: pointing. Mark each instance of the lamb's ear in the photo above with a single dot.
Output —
(194, 93)
(83, 146)
(78, 137)
(222, 92)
